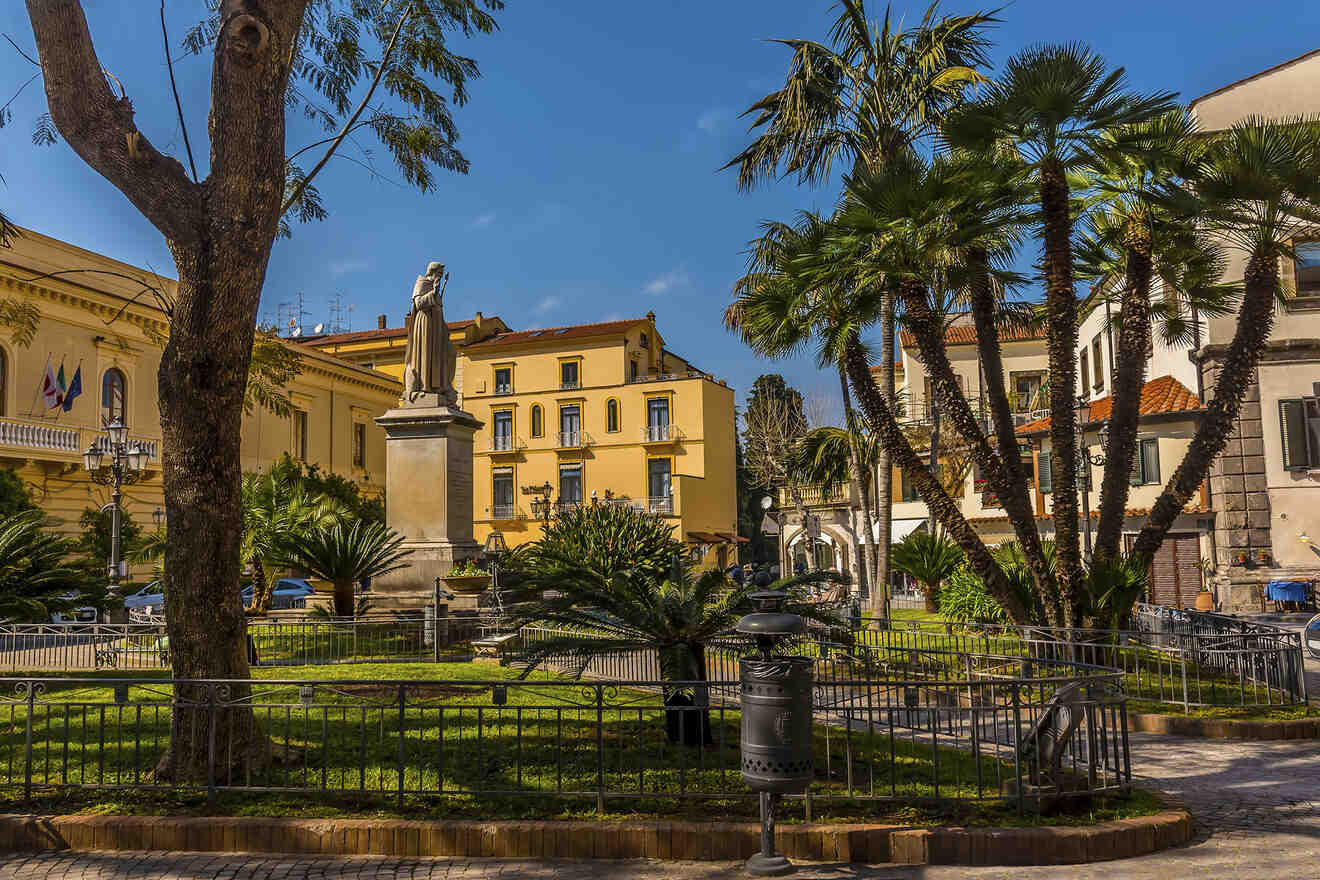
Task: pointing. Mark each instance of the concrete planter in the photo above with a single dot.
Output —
(467, 584)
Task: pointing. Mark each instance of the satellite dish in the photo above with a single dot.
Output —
(297, 331)
(318, 328)
(293, 322)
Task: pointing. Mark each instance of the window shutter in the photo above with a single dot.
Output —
(1292, 433)
(1150, 460)
(1137, 469)
(1045, 468)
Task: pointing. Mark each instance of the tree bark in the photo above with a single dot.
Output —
(343, 598)
(859, 487)
(1255, 321)
(220, 233)
(983, 307)
(884, 483)
(1129, 375)
(883, 423)
(1061, 316)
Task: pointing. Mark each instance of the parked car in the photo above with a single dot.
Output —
(289, 593)
(84, 614)
(149, 600)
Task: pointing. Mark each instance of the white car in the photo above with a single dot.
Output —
(85, 614)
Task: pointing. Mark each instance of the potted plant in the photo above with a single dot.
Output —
(1240, 557)
(1205, 600)
(467, 577)
(1262, 556)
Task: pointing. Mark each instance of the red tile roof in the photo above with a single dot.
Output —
(364, 335)
(1095, 514)
(965, 334)
(547, 334)
(1158, 397)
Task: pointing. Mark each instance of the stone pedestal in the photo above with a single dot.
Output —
(428, 494)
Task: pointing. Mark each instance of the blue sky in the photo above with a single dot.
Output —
(595, 135)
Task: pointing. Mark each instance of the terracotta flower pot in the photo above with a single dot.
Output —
(467, 584)
(1205, 601)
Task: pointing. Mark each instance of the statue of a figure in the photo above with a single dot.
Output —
(430, 358)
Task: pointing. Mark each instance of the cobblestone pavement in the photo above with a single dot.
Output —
(1258, 803)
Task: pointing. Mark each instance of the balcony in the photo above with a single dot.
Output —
(570, 386)
(505, 443)
(506, 512)
(666, 377)
(51, 440)
(573, 440)
(812, 496)
(660, 504)
(661, 434)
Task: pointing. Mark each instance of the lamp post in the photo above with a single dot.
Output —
(1086, 461)
(116, 461)
(777, 517)
(494, 549)
(158, 517)
(541, 504)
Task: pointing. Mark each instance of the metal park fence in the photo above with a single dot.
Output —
(1009, 734)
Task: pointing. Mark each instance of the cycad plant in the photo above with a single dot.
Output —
(276, 508)
(35, 580)
(344, 554)
(929, 560)
(605, 539)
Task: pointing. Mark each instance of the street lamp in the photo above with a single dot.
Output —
(1086, 461)
(494, 549)
(541, 504)
(158, 517)
(116, 461)
(776, 517)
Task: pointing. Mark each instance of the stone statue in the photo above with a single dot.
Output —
(430, 358)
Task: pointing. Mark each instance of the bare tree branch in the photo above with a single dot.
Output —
(187, 145)
(30, 59)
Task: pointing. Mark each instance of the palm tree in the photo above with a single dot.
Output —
(929, 560)
(35, 580)
(1053, 104)
(345, 554)
(1262, 181)
(873, 92)
(276, 508)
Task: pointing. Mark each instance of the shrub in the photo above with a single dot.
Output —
(964, 599)
(927, 559)
(605, 539)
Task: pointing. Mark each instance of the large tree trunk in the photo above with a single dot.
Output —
(220, 232)
(1255, 320)
(884, 483)
(1129, 375)
(984, 313)
(1061, 344)
(859, 488)
(932, 492)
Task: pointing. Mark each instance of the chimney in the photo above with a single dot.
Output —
(380, 322)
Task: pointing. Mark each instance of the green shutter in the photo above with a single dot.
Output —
(1292, 433)
(1150, 458)
(1136, 478)
(1045, 472)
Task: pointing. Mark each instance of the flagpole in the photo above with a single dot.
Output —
(33, 408)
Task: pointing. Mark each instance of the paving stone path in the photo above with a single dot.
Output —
(1258, 803)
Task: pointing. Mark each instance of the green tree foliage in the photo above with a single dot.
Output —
(344, 554)
(964, 599)
(277, 506)
(605, 539)
(36, 578)
(14, 495)
(94, 542)
(927, 559)
(346, 494)
(275, 364)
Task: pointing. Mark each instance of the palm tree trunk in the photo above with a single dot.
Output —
(1255, 321)
(883, 423)
(343, 598)
(1061, 344)
(884, 488)
(996, 389)
(859, 488)
(263, 587)
(1128, 377)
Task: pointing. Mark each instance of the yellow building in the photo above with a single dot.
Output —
(95, 317)
(598, 412)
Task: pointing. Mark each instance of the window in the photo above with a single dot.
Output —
(113, 397)
(1299, 433)
(1307, 268)
(1083, 366)
(359, 445)
(300, 434)
(646, 343)
(502, 493)
(538, 428)
(568, 375)
(632, 371)
(1045, 472)
(1146, 462)
(611, 415)
(570, 425)
(504, 380)
(1097, 364)
(1026, 392)
(570, 485)
(502, 431)
(657, 418)
(907, 491)
(659, 486)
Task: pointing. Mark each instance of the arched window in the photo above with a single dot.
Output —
(114, 393)
(536, 420)
(612, 415)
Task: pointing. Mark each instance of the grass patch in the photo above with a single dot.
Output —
(1234, 713)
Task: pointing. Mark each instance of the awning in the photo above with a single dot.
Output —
(901, 528)
(732, 538)
(704, 538)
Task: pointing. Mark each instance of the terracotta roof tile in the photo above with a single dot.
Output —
(965, 334)
(1158, 397)
(547, 334)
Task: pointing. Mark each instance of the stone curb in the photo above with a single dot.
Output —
(1224, 728)
(690, 841)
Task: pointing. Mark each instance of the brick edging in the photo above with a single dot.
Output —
(1224, 728)
(712, 841)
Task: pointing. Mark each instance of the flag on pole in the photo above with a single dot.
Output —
(75, 388)
(60, 384)
(50, 391)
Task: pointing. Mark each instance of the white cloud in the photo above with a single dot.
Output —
(713, 119)
(547, 304)
(484, 220)
(344, 267)
(668, 281)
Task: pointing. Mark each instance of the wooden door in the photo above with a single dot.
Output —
(1175, 572)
